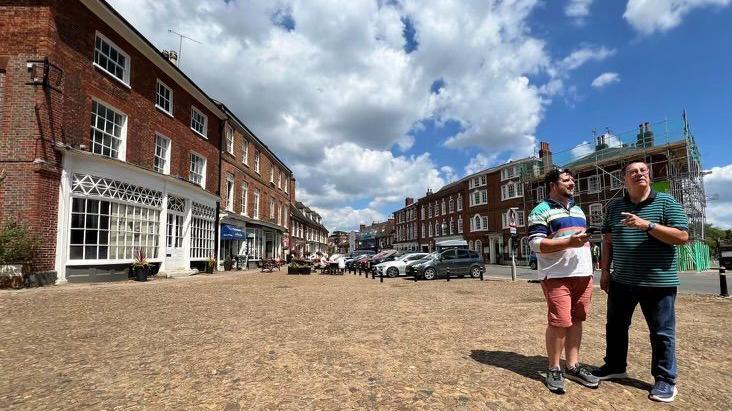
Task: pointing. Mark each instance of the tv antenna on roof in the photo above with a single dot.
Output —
(180, 43)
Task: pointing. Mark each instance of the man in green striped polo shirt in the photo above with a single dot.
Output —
(639, 235)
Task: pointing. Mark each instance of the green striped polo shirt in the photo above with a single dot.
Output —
(639, 258)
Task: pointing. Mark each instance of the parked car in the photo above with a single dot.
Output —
(398, 266)
(533, 264)
(460, 262)
(352, 263)
(386, 255)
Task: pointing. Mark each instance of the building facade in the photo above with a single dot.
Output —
(406, 226)
(338, 243)
(257, 189)
(441, 215)
(307, 233)
(142, 176)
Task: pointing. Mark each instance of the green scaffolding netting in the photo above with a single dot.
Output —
(693, 257)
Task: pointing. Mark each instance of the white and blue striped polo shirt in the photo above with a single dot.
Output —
(550, 219)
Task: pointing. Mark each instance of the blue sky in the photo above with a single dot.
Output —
(369, 101)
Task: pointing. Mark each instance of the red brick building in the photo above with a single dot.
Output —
(406, 226)
(441, 215)
(142, 175)
(307, 233)
(257, 189)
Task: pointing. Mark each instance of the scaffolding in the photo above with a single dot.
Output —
(670, 150)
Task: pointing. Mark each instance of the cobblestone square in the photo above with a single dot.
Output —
(275, 341)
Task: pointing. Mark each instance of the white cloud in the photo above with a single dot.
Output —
(650, 16)
(348, 218)
(605, 79)
(449, 174)
(350, 173)
(582, 149)
(719, 185)
(339, 77)
(578, 10)
(585, 54)
(479, 162)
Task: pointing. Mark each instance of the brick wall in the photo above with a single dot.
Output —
(232, 165)
(34, 117)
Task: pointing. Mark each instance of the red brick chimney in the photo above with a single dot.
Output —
(546, 157)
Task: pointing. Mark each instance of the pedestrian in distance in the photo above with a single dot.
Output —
(564, 263)
(639, 234)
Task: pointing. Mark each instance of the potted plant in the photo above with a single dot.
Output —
(17, 250)
(228, 264)
(211, 264)
(140, 265)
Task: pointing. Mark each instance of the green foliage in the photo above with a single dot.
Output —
(16, 244)
(712, 234)
(140, 259)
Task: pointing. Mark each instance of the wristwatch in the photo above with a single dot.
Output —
(651, 226)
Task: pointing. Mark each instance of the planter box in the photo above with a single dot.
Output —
(13, 275)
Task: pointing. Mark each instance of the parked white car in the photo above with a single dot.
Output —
(397, 267)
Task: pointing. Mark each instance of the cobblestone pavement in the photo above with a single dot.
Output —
(272, 341)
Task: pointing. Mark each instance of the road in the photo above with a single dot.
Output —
(706, 282)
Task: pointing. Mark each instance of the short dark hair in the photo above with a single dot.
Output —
(625, 167)
(553, 176)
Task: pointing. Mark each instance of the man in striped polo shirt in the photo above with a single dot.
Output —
(639, 234)
(557, 236)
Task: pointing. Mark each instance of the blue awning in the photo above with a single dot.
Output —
(230, 232)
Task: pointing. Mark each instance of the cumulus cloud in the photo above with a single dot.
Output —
(650, 16)
(578, 10)
(605, 79)
(348, 218)
(363, 82)
(719, 185)
(350, 173)
(479, 162)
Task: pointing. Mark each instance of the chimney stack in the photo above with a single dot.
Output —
(408, 201)
(645, 137)
(171, 55)
(546, 157)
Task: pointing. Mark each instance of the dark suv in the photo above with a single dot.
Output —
(460, 262)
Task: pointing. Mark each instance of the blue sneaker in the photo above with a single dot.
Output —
(663, 391)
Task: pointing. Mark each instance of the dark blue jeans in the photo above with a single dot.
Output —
(657, 304)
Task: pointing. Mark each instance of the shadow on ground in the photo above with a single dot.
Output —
(528, 367)
(533, 367)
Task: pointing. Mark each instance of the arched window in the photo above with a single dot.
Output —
(479, 246)
(476, 222)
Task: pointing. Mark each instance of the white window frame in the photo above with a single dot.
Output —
(616, 183)
(540, 193)
(245, 152)
(244, 198)
(125, 70)
(230, 192)
(459, 202)
(460, 225)
(166, 159)
(195, 111)
(229, 138)
(159, 96)
(598, 184)
(509, 173)
(202, 183)
(256, 161)
(279, 179)
(595, 216)
(518, 190)
(122, 147)
(256, 204)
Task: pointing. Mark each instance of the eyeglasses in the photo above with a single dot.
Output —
(642, 171)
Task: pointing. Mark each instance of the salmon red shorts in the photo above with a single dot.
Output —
(567, 299)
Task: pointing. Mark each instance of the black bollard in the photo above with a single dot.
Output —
(723, 282)
(481, 275)
(381, 277)
(415, 276)
(448, 274)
